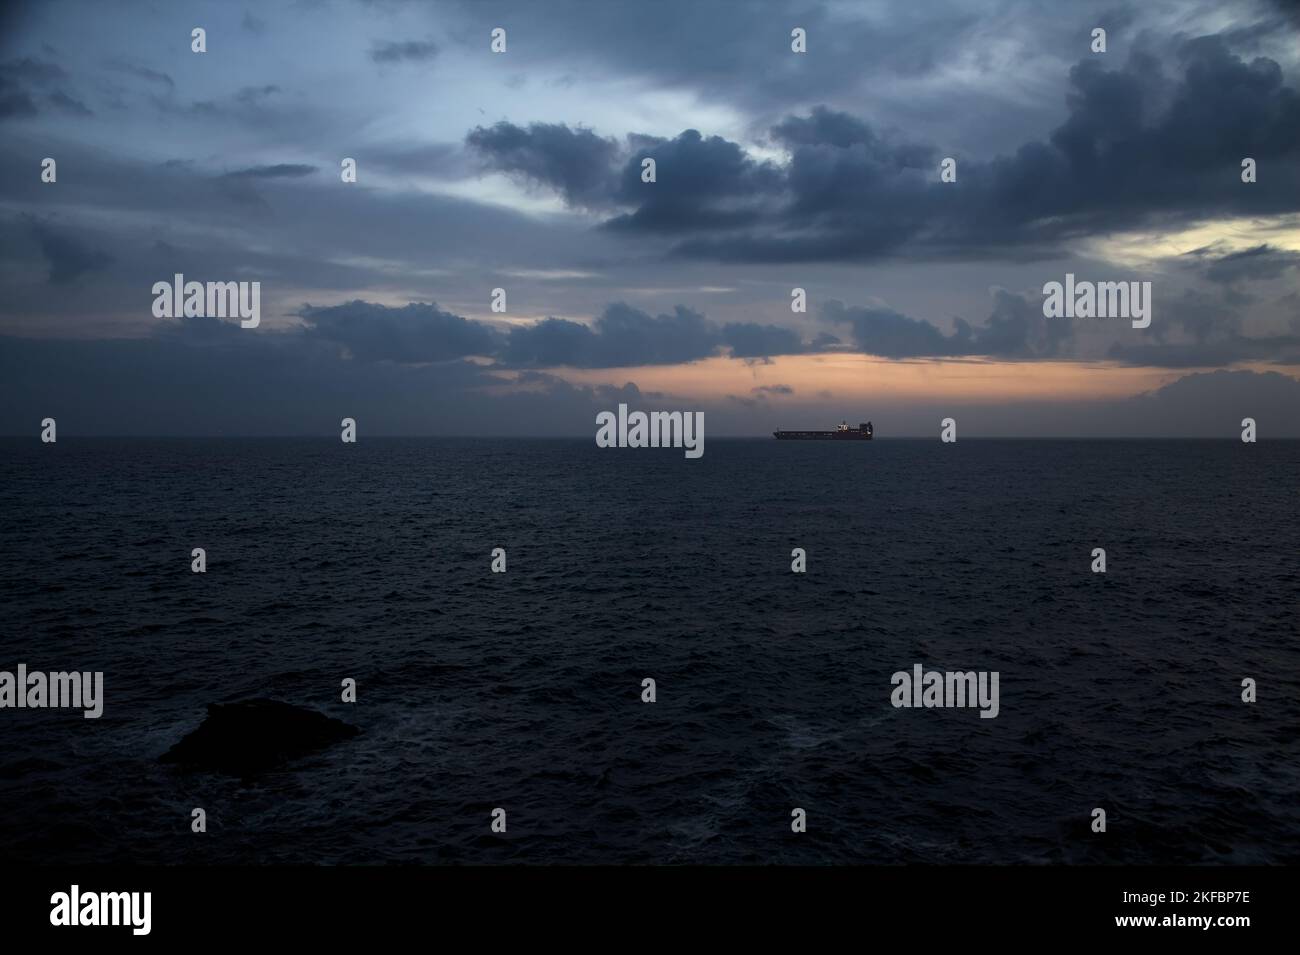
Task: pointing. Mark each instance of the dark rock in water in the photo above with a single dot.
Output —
(255, 735)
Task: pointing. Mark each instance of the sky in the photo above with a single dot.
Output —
(774, 170)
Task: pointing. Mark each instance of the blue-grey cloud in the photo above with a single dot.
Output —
(157, 77)
(18, 77)
(253, 95)
(62, 101)
(575, 162)
(31, 70)
(1213, 352)
(1133, 148)
(890, 334)
(195, 382)
(277, 171)
(621, 336)
(702, 183)
(204, 381)
(1015, 329)
(398, 51)
(1259, 263)
(412, 334)
(69, 258)
(14, 100)
(751, 340)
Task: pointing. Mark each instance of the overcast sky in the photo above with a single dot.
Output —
(774, 170)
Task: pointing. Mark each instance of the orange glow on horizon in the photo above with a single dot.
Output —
(853, 377)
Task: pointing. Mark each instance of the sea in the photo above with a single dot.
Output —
(522, 690)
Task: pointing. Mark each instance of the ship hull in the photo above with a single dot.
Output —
(822, 435)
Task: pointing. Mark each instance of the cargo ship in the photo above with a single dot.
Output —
(843, 433)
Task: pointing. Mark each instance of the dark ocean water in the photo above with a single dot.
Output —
(522, 690)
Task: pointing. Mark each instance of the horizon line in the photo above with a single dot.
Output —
(572, 437)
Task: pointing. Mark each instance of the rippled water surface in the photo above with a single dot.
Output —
(522, 690)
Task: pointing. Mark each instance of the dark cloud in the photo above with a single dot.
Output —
(17, 76)
(15, 102)
(277, 171)
(1015, 329)
(955, 72)
(738, 52)
(575, 162)
(748, 340)
(621, 337)
(1207, 329)
(823, 127)
(413, 334)
(252, 95)
(398, 51)
(142, 72)
(205, 381)
(68, 257)
(256, 107)
(701, 184)
(1211, 352)
(624, 336)
(30, 70)
(1134, 148)
(203, 329)
(1221, 399)
(1201, 316)
(890, 334)
(773, 390)
(711, 187)
(630, 336)
(338, 243)
(552, 342)
(200, 380)
(704, 183)
(61, 100)
(826, 127)
(1260, 263)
